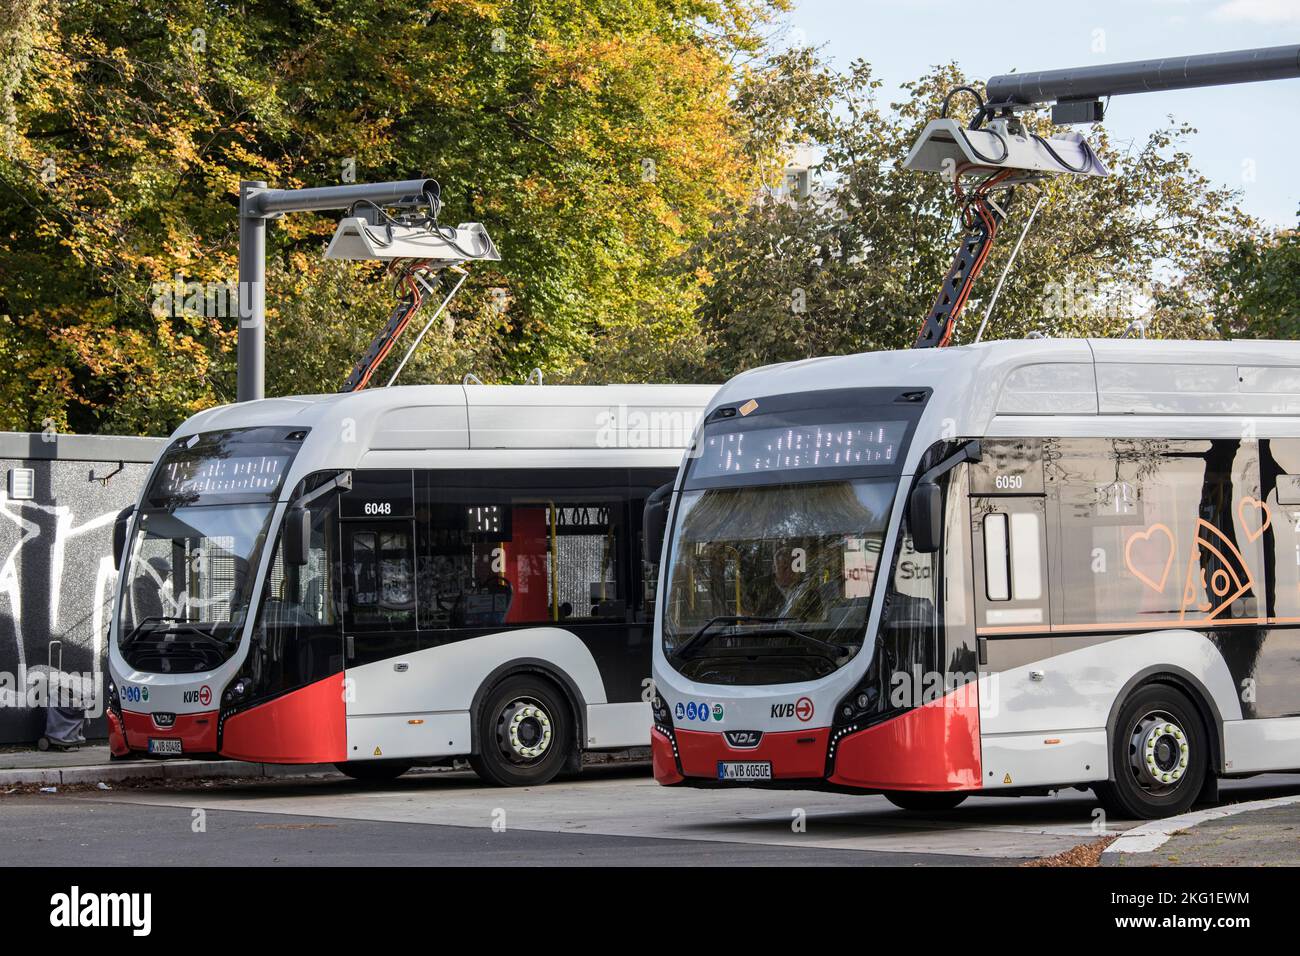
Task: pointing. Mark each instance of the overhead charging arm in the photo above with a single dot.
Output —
(982, 217)
(1023, 156)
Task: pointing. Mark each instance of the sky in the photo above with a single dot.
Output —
(1248, 136)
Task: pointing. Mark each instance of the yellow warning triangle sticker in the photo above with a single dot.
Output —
(1006, 779)
(380, 753)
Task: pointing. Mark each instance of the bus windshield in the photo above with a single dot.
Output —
(189, 571)
(773, 583)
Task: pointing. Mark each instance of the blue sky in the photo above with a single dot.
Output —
(1248, 136)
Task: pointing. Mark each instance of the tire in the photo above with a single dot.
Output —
(925, 801)
(1160, 755)
(372, 771)
(525, 733)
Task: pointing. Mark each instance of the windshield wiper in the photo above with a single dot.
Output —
(702, 635)
(186, 627)
(136, 631)
(835, 652)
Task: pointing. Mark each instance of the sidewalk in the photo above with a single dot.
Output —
(90, 764)
(1258, 833)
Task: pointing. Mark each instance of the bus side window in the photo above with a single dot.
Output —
(1026, 556)
(365, 570)
(1013, 566)
(997, 558)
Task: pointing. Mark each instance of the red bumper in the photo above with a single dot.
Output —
(934, 747)
(308, 725)
(117, 744)
(794, 755)
(196, 732)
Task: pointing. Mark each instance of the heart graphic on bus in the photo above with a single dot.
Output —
(1149, 555)
(1254, 517)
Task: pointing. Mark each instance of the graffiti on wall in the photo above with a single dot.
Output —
(56, 592)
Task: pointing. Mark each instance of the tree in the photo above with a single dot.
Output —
(857, 265)
(1259, 286)
(594, 138)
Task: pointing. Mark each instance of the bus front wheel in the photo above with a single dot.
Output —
(925, 801)
(524, 733)
(372, 771)
(1159, 755)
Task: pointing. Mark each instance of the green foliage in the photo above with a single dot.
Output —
(594, 139)
(857, 265)
(1259, 287)
(621, 152)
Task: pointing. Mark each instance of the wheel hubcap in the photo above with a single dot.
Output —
(524, 731)
(1159, 753)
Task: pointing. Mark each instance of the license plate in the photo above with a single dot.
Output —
(164, 745)
(744, 770)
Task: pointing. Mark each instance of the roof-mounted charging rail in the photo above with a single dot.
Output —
(996, 148)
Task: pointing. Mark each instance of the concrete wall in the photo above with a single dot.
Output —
(56, 565)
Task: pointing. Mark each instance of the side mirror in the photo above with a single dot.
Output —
(297, 536)
(925, 515)
(120, 526)
(654, 521)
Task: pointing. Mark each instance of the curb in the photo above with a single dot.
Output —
(156, 770)
(1153, 835)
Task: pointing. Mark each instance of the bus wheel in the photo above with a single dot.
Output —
(925, 801)
(372, 771)
(524, 733)
(1160, 755)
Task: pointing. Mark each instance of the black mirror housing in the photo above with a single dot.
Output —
(654, 521)
(925, 515)
(120, 526)
(297, 536)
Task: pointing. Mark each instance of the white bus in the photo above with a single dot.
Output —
(1004, 568)
(397, 576)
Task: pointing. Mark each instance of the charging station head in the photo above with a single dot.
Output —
(357, 239)
(946, 146)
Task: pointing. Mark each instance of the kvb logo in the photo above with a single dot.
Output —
(801, 708)
(202, 696)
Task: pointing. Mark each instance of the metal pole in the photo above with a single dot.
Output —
(1145, 76)
(251, 381)
(275, 201)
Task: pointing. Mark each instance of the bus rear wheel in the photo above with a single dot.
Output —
(524, 733)
(1159, 755)
(925, 801)
(372, 771)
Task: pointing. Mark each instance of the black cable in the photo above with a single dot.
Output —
(1006, 150)
(433, 199)
(1087, 155)
(943, 110)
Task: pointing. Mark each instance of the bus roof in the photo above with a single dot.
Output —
(545, 424)
(1009, 387)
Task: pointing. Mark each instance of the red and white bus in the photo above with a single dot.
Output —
(1002, 568)
(397, 576)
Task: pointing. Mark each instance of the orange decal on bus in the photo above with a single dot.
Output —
(1160, 536)
(1260, 509)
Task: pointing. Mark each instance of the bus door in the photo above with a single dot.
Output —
(1009, 545)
